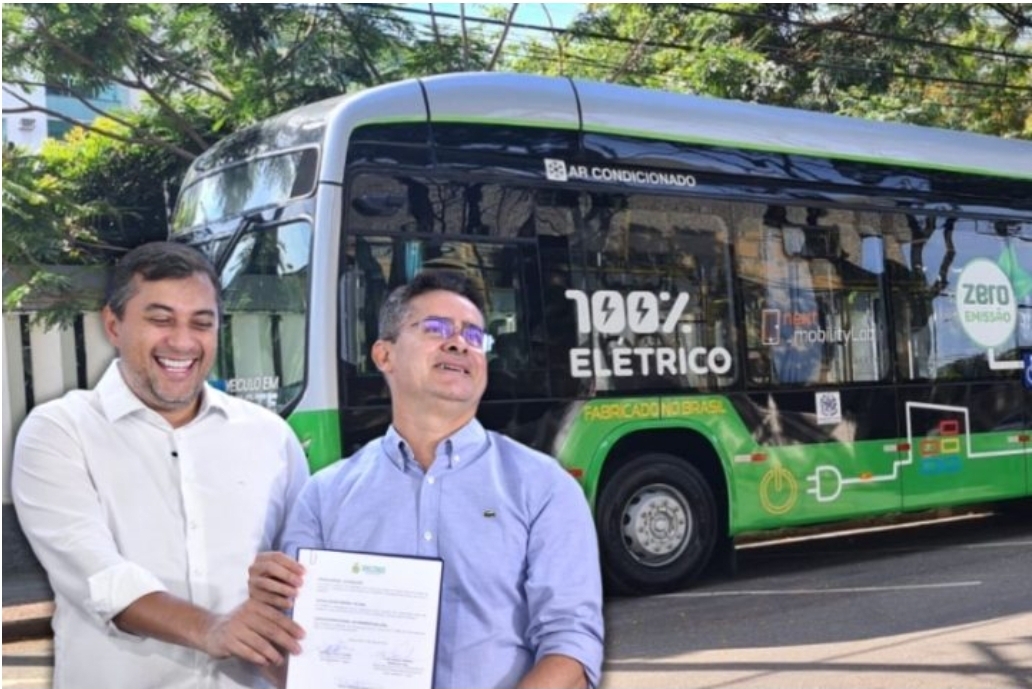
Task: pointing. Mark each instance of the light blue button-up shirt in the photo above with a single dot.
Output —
(521, 568)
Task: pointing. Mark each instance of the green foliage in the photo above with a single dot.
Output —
(960, 66)
(43, 226)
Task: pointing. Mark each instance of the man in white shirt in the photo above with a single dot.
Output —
(147, 498)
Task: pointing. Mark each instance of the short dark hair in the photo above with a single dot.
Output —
(396, 307)
(156, 261)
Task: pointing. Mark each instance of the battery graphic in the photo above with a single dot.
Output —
(941, 455)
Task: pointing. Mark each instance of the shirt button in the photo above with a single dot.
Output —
(430, 480)
(427, 536)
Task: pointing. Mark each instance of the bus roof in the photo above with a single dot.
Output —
(573, 104)
(626, 110)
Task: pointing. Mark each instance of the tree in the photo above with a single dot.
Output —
(961, 66)
(43, 226)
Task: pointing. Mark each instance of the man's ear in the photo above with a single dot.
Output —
(383, 357)
(112, 326)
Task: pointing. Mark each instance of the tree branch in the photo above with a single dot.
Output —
(465, 35)
(181, 124)
(557, 35)
(501, 39)
(148, 140)
(1019, 20)
(363, 54)
(433, 23)
(179, 71)
(178, 121)
(299, 42)
(634, 53)
(78, 95)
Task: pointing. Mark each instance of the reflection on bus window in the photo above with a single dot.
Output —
(377, 265)
(811, 283)
(950, 326)
(658, 294)
(246, 187)
(262, 338)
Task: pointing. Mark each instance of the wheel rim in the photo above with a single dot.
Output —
(656, 524)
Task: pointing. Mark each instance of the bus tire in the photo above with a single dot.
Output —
(657, 524)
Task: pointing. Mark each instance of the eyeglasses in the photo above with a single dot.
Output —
(441, 328)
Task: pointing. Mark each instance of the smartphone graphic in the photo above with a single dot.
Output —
(770, 327)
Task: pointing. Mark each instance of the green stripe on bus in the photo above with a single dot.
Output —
(818, 153)
(319, 432)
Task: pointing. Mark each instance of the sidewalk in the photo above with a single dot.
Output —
(27, 621)
(992, 654)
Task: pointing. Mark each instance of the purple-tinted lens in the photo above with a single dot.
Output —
(444, 329)
(474, 336)
(438, 327)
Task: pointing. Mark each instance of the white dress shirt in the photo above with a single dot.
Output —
(118, 504)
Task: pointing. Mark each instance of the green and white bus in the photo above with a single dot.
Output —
(720, 317)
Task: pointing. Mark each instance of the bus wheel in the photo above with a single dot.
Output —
(657, 525)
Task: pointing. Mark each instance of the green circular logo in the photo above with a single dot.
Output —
(986, 305)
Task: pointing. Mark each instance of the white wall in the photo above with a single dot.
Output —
(54, 366)
(26, 129)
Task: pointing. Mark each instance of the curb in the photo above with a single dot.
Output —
(28, 621)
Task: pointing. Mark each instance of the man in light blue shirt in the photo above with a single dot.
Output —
(521, 602)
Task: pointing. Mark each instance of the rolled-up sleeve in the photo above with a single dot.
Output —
(60, 513)
(564, 587)
(113, 589)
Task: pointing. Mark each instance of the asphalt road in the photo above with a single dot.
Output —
(922, 606)
(941, 605)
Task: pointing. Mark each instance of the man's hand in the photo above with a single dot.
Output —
(274, 579)
(255, 632)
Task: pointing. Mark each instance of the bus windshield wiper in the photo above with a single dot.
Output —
(246, 223)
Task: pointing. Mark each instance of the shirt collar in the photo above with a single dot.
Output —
(118, 400)
(460, 448)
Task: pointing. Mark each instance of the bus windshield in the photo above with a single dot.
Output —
(262, 338)
(253, 185)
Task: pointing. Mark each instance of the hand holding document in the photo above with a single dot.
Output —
(370, 621)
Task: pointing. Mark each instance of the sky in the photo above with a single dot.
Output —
(533, 13)
(527, 13)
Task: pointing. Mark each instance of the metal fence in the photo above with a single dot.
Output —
(40, 364)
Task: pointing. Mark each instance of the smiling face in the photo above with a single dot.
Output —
(431, 374)
(166, 341)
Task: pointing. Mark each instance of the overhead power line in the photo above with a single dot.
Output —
(862, 32)
(606, 66)
(788, 61)
(713, 10)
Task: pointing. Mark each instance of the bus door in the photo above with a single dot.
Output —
(820, 401)
(961, 296)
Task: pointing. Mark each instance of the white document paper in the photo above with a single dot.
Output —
(370, 621)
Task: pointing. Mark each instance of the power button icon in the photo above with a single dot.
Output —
(1027, 375)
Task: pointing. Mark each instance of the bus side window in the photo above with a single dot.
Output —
(811, 284)
(933, 299)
